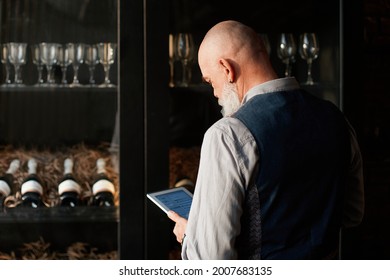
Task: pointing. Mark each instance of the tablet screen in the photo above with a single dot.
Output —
(177, 199)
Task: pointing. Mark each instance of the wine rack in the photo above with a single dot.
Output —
(60, 227)
(58, 118)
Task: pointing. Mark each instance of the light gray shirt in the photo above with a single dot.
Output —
(228, 163)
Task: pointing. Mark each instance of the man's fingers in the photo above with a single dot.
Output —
(174, 216)
(180, 226)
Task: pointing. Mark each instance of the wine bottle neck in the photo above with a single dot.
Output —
(14, 166)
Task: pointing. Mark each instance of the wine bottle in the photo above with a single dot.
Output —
(7, 181)
(32, 188)
(68, 188)
(185, 182)
(102, 188)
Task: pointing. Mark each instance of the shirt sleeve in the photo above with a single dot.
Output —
(224, 173)
(354, 203)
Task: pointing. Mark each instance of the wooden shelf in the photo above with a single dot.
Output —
(59, 214)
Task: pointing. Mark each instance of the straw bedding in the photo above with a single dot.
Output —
(51, 169)
(41, 250)
(183, 163)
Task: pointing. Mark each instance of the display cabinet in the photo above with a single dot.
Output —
(59, 97)
(272, 20)
(137, 120)
(174, 118)
(333, 23)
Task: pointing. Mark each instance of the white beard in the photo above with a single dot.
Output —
(229, 99)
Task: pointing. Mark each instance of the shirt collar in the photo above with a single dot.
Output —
(281, 84)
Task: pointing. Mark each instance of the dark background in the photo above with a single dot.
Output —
(154, 117)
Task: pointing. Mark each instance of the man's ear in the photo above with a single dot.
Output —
(228, 69)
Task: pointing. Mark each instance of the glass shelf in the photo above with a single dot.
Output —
(59, 89)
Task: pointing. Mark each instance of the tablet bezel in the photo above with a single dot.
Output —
(153, 197)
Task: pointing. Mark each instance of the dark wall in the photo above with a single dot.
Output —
(372, 113)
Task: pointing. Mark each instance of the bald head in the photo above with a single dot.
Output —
(233, 52)
(231, 38)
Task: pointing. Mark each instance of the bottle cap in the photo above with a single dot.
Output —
(32, 166)
(101, 165)
(68, 166)
(15, 164)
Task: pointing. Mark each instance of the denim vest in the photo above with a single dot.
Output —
(294, 210)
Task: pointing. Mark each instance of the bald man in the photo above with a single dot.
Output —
(280, 174)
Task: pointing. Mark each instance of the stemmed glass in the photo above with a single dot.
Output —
(36, 59)
(106, 54)
(64, 61)
(91, 59)
(171, 60)
(184, 48)
(17, 57)
(49, 56)
(286, 50)
(5, 61)
(77, 55)
(309, 49)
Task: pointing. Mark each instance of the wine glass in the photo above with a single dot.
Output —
(286, 50)
(64, 61)
(171, 60)
(309, 49)
(184, 48)
(36, 59)
(5, 61)
(106, 54)
(17, 57)
(77, 56)
(49, 57)
(91, 59)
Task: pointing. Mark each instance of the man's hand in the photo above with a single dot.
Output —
(180, 227)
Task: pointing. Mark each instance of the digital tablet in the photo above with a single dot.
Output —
(176, 199)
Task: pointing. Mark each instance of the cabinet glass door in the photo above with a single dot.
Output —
(193, 107)
(272, 20)
(59, 129)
